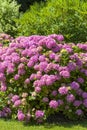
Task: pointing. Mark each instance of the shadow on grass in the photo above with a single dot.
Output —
(60, 120)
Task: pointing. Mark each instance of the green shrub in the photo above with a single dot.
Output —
(67, 17)
(9, 11)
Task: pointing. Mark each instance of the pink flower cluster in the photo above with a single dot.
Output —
(42, 74)
(5, 38)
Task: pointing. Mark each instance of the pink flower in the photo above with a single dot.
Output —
(21, 116)
(60, 102)
(37, 89)
(84, 94)
(30, 64)
(54, 93)
(60, 37)
(3, 87)
(75, 85)
(63, 90)
(65, 74)
(85, 102)
(39, 114)
(28, 116)
(77, 103)
(16, 77)
(79, 112)
(70, 98)
(80, 80)
(27, 81)
(53, 104)
(14, 98)
(17, 103)
(45, 99)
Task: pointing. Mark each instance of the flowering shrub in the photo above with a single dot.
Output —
(5, 38)
(40, 75)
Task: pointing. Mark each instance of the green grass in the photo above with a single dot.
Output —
(65, 125)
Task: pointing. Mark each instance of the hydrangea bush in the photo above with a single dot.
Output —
(41, 75)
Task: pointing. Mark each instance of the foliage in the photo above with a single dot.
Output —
(67, 17)
(5, 39)
(41, 75)
(9, 11)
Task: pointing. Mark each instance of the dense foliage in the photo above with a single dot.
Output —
(5, 39)
(9, 11)
(40, 75)
(67, 17)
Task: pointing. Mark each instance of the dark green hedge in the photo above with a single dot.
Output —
(25, 4)
(67, 17)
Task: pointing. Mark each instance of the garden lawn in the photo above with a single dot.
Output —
(15, 125)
